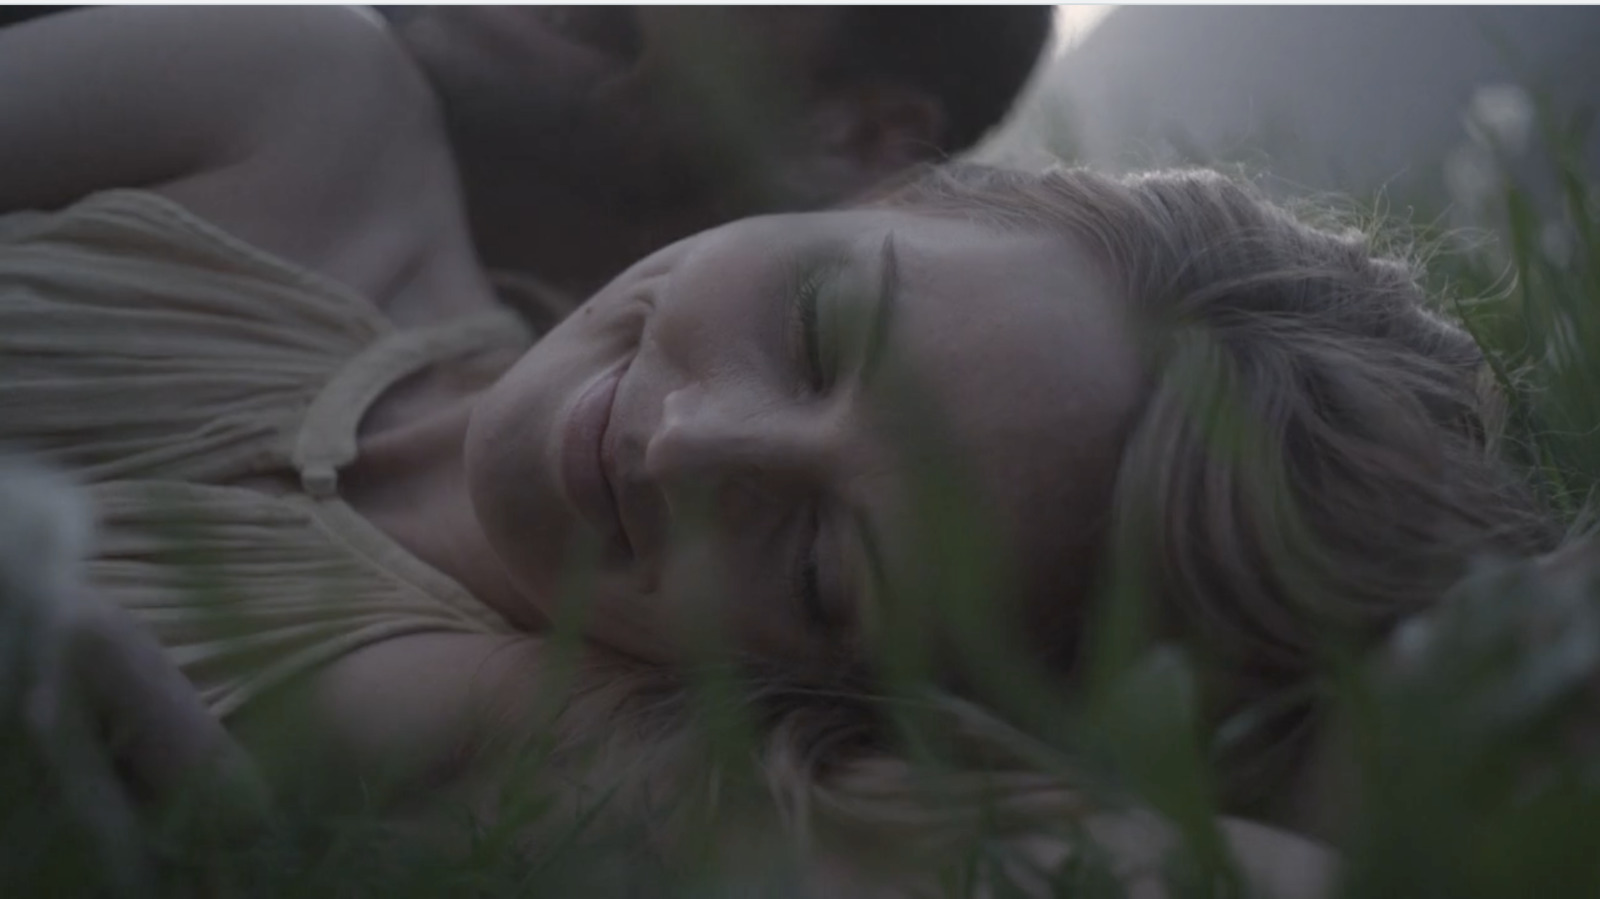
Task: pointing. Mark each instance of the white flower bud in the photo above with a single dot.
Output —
(1472, 176)
(1555, 241)
(45, 532)
(1501, 116)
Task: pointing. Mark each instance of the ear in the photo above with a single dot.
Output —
(875, 129)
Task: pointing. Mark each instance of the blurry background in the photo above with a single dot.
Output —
(1410, 100)
(1424, 103)
(1476, 115)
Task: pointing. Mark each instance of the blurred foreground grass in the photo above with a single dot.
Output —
(1478, 765)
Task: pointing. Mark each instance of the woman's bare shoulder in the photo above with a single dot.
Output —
(415, 710)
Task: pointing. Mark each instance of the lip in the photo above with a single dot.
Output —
(583, 471)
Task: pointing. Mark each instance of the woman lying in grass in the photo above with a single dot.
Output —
(819, 452)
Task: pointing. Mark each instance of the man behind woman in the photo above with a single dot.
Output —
(285, 337)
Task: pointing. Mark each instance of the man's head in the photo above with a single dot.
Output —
(646, 124)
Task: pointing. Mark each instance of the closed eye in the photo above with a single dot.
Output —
(808, 282)
(806, 295)
(804, 579)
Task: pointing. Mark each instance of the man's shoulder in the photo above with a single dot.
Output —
(123, 96)
(326, 35)
(335, 55)
(331, 108)
(252, 74)
(343, 165)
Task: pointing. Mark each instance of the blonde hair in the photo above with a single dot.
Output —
(1313, 458)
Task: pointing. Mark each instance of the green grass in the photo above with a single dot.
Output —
(1478, 767)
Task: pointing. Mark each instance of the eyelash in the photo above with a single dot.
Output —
(806, 584)
(807, 292)
(807, 288)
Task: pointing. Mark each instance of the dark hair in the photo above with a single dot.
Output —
(974, 59)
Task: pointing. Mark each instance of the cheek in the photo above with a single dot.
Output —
(666, 623)
(690, 593)
(615, 317)
(730, 329)
(694, 587)
(725, 596)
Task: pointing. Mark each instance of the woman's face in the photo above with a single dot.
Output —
(721, 437)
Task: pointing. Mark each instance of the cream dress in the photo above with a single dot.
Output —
(166, 362)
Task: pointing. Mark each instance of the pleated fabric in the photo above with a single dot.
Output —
(162, 361)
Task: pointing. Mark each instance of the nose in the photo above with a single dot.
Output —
(735, 452)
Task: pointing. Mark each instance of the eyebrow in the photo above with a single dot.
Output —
(883, 315)
(872, 550)
(883, 312)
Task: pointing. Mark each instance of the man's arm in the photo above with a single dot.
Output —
(144, 96)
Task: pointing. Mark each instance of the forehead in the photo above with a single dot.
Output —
(1016, 335)
(1015, 345)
